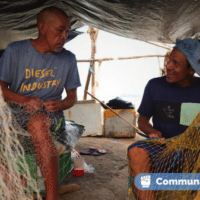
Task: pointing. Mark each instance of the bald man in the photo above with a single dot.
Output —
(33, 75)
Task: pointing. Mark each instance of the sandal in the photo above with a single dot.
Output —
(98, 149)
(92, 152)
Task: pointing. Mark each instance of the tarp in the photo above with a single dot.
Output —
(146, 20)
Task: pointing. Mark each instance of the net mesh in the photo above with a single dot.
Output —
(15, 179)
(18, 178)
(179, 154)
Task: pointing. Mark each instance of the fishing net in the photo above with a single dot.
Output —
(17, 160)
(179, 154)
(15, 176)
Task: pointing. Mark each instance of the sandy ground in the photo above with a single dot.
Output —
(109, 180)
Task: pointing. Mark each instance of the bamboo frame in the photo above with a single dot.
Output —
(120, 58)
(93, 36)
(165, 47)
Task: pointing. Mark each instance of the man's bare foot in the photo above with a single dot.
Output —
(62, 190)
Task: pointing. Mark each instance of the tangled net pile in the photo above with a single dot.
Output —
(180, 155)
(18, 180)
(15, 179)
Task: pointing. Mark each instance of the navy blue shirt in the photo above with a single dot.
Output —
(163, 101)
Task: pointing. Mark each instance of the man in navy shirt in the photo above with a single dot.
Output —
(172, 101)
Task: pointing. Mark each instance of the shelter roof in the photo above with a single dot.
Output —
(146, 20)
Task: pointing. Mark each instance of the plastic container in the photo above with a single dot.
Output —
(78, 166)
(114, 126)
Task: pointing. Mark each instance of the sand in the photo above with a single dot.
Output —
(109, 180)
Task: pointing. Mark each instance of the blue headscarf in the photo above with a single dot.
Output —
(191, 49)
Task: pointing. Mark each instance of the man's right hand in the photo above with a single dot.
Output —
(147, 128)
(33, 104)
(156, 134)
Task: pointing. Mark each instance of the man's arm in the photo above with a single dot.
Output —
(70, 100)
(10, 96)
(146, 127)
(31, 104)
(55, 105)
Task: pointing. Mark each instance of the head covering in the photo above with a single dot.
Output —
(191, 49)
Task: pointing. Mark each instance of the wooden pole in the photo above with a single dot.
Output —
(87, 85)
(120, 58)
(93, 36)
(93, 67)
(166, 47)
(139, 131)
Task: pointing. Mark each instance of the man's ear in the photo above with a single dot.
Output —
(191, 71)
(42, 28)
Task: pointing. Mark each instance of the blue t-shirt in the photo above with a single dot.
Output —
(35, 74)
(169, 104)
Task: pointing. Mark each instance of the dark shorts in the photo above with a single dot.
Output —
(58, 130)
(22, 117)
(165, 161)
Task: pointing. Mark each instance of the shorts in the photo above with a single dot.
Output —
(168, 163)
(22, 117)
(58, 131)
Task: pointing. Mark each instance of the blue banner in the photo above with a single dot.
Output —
(168, 181)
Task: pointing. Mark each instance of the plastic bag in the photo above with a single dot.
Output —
(69, 134)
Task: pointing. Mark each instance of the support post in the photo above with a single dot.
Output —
(93, 36)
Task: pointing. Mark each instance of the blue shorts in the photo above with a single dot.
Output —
(163, 162)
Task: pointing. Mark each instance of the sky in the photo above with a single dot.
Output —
(119, 78)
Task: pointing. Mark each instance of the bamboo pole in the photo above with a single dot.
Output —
(120, 58)
(87, 85)
(166, 47)
(93, 36)
(135, 57)
(139, 131)
(93, 89)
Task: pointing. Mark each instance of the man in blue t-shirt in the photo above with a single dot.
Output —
(33, 75)
(172, 101)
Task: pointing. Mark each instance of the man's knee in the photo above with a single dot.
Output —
(137, 153)
(39, 119)
(39, 124)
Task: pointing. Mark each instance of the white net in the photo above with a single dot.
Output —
(18, 169)
(15, 179)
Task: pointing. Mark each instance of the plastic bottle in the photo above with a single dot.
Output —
(78, 166)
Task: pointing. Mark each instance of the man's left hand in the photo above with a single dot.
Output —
(53, 106)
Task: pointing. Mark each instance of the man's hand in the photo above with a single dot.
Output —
(156, 134)
(33, 104)
(53, 106)
(147, 128)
